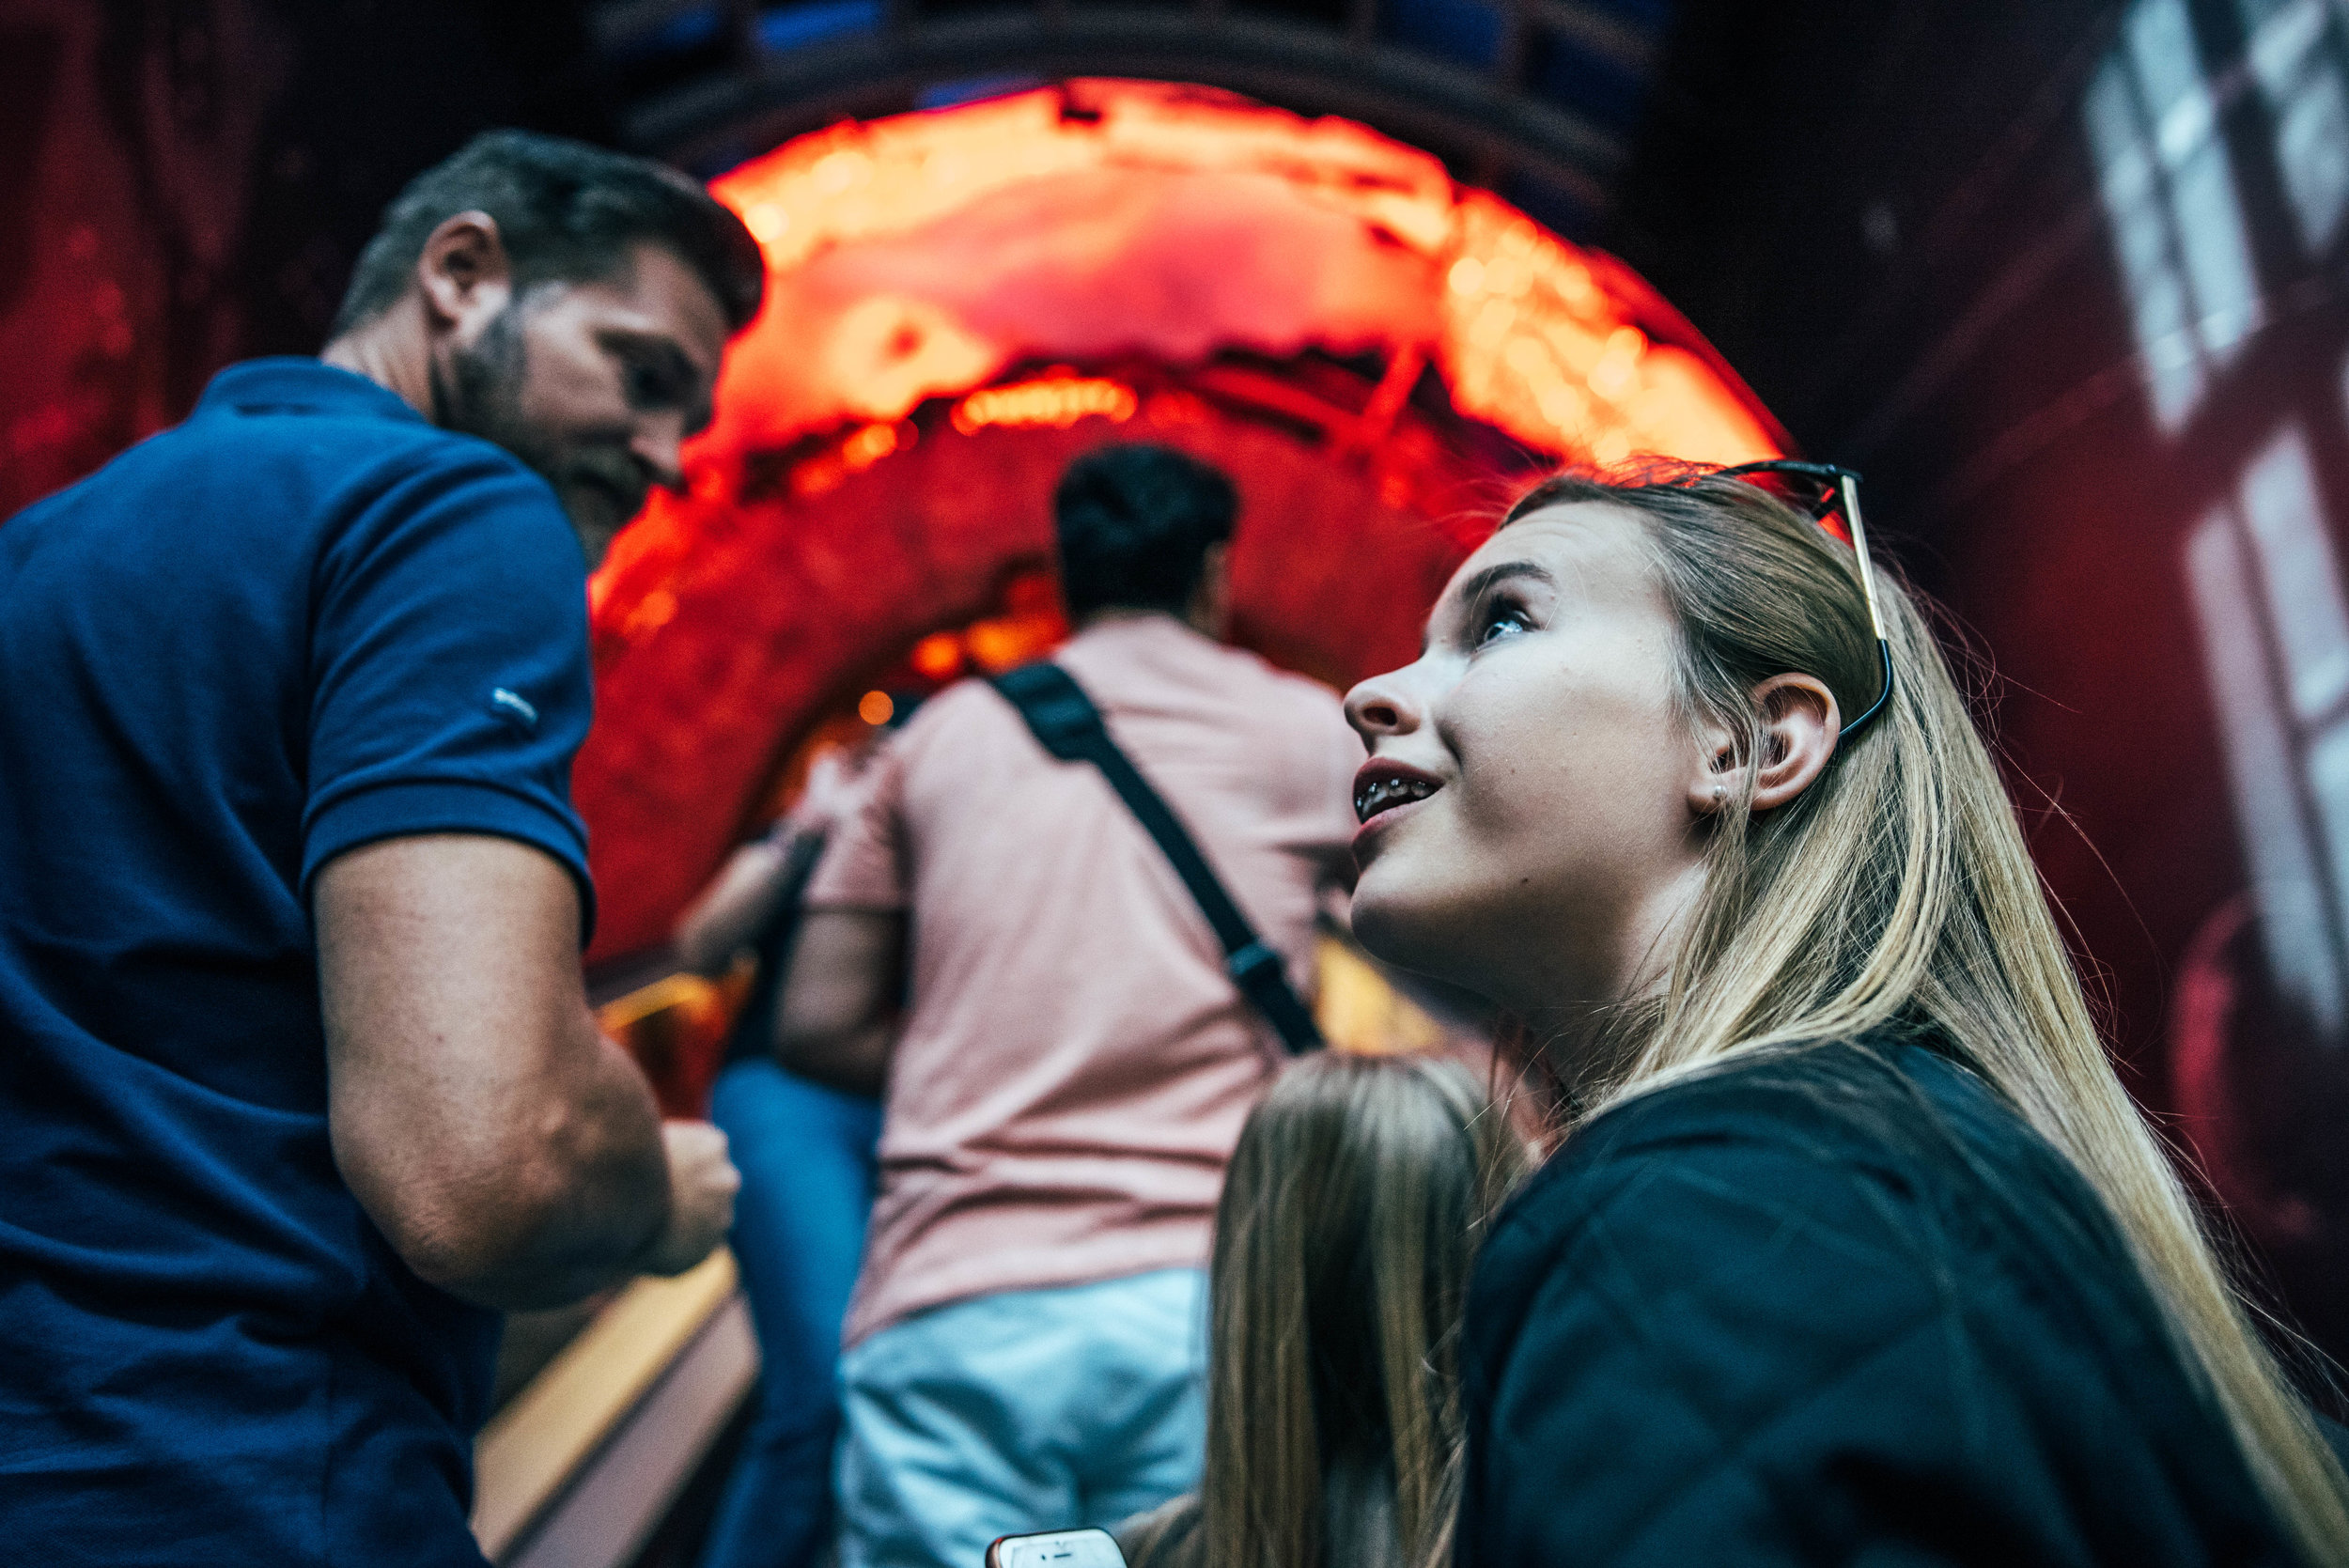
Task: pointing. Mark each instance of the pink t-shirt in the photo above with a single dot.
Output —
(1074, 1066)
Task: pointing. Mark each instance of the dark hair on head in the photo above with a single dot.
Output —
(1135, 523)
(567, 213)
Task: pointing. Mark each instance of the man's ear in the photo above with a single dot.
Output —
(464, 275)
(1800, 724)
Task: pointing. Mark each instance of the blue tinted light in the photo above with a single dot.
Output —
(797, 27)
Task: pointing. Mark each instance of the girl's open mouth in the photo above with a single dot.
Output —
(1381, 785)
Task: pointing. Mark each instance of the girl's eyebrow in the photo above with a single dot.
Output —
(1500, 571)
(1483, 582)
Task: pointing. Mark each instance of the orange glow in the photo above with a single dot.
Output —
(960, 300)
(1059, 401)
(851, 453)
(920, 255)
(871, 444)
(1539, 342)
(876, 708)
(1030, 628)
(938, 656)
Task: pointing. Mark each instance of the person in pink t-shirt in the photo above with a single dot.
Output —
(994, 937)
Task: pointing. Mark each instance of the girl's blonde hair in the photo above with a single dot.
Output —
(1350, 1217)
(1897, 890)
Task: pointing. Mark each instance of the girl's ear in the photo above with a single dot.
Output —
(1801, 723)
(1716, 776)
(1799, 728)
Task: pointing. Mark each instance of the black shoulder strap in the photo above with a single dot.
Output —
(753, 1035)
(1070, 728)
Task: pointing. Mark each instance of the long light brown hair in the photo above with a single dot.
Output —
(1351, 1215)
(1899, 889)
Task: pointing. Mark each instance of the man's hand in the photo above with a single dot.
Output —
(702, 1185)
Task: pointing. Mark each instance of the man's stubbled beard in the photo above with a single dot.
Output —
(601, 486)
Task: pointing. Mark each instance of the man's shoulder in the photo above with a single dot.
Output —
(965, 731)
(1295, 719)
(288, 459)
(1275, 711)
(354, 451)
(1288, 725)
(370, 490)
(970, 700)
(1259, 681)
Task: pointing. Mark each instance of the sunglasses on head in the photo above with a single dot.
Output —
(1829, 495)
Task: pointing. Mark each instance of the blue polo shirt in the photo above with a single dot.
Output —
(303, 620)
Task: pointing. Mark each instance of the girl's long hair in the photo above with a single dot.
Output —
(1351, 1215)
(1898, 890)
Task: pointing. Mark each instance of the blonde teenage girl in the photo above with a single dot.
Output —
(1855, 1251)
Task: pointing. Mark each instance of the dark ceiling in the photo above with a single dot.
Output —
(1538, 97)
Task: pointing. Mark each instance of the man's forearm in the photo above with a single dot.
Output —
(596, 1203)
(728, 918)
(503, 1147)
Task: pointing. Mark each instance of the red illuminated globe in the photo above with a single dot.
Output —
(960, 302)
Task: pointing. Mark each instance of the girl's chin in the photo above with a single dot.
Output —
(1398, 926)
(1465, 933)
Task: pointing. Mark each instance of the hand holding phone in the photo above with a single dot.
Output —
(1059, 1548)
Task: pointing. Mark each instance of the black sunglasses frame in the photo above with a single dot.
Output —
(1839, 492)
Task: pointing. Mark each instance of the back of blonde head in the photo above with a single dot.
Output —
(1898, 890)
(1351, 1213)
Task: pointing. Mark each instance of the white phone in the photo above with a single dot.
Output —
(1059, 1548)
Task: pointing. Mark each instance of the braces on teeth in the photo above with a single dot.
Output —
(1376, 796)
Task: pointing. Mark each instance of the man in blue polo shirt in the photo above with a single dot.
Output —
(297, 1081)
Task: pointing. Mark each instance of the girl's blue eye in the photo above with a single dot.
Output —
(1500, 621)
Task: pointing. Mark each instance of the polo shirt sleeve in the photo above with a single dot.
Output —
(866, 865)
(450, 684)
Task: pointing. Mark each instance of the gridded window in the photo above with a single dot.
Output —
(2296, 53)
(2176, 222)
(2267, 591)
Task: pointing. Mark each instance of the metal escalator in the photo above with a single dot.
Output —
(579, 1468)
(608, 1411)
(619, 1410)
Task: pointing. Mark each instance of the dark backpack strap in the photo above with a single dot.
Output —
(1069, 727)
(753, 1035)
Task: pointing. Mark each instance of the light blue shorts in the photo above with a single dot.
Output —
(1031, 1410)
